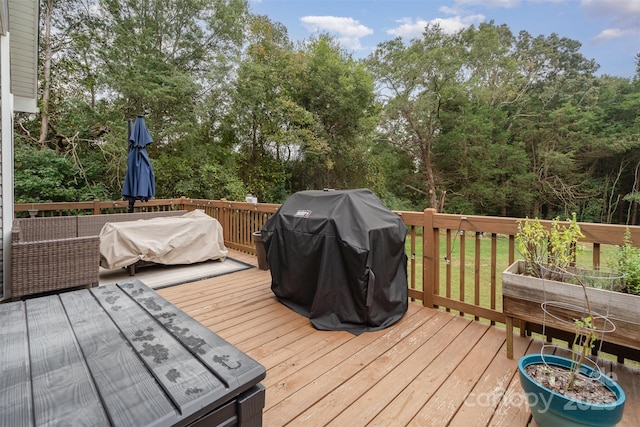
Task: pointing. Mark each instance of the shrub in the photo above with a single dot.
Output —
(555, 246)
(628, 262)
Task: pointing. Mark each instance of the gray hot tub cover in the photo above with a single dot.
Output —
(338, 257)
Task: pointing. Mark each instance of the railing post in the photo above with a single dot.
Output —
(224, 219)
(96, 207)
(429, 258)
(182, 203)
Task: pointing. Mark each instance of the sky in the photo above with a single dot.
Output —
(609, 30)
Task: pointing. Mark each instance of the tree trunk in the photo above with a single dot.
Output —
(636, 189)
(46, 75)
(429, 177)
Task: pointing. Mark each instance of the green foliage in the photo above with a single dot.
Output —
(301, 119)
(395, 177)
(415, 80)
(483, 169)
(550, 253)
(563, 241)
(584, 339)
(277, 194)
(196, 175)
(627, 261)
(553, 247)
(338, 92)
(42, 176)
(482, 121)
(264, 123)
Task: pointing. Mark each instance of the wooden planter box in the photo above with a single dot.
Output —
(522, 295)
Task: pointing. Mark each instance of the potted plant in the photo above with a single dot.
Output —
(549, 289)
(524, 288)
(553, 409)
(565, 391)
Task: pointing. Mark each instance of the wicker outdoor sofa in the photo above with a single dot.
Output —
(57, 253)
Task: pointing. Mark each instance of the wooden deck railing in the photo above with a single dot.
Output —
(458, 244)
(455, 261)
(239, 219)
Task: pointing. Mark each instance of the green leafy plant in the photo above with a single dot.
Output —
(550, 253)
(584, 339)
(627, 261)
(586, 329)
(555, 246)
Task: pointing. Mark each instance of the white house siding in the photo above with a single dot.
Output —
(18, 93)
(5, 124)
(6, 151)
(23, 27)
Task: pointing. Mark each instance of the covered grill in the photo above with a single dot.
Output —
(338, 257)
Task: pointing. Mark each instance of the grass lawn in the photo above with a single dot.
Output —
(607, 253)
(584, 258)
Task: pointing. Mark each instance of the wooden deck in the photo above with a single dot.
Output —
(430, 369)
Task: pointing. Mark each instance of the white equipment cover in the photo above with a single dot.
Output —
(186, 239)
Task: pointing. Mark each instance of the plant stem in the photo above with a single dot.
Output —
(589, 336)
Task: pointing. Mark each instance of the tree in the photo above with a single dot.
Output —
(66, 31)
(414, 83)
(483, 167)
(615, 161)
(264, 122)
(44, 176)
(110, 60)
(158, 57)
(559, 93)
(501, 124)
(46, 75)
(339, 93)
(302, 118)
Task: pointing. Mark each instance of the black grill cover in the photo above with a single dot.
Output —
(338, 257)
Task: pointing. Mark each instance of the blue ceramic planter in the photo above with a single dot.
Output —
(551, 409)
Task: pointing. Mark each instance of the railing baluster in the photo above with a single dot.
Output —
(494, 268)
(476, 271)
(463, 236)
(429, 260)
(412, 237)
(448, 265)
(240, 219)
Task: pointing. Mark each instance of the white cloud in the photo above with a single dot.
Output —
(460, 8)
(623, 13)
(623, 17)
(611, 34)
(547, 1)
(507, 4)
(410, 28)
(348, 30)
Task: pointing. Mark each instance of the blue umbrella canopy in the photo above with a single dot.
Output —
(139, 182)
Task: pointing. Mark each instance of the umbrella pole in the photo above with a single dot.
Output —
(129, 128)
(131, 203)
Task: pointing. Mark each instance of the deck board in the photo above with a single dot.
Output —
(629, 380)
(432, 376)
(452, 394)
(431, 368)
(359, 398)
(481, 401)
(512, 408)
(303, 389)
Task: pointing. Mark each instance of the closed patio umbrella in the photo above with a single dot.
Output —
(139, 182)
